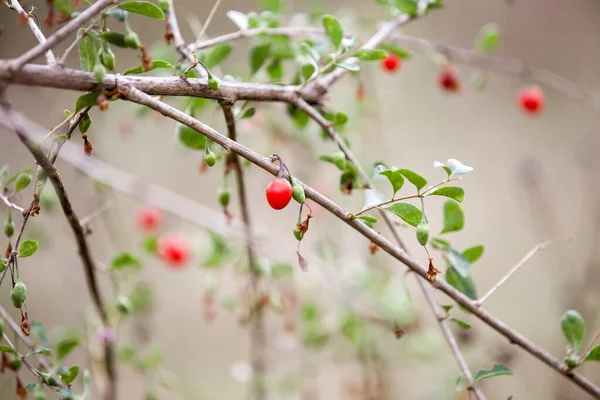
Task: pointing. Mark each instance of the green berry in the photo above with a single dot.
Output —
(209, 157)
(423, 231)
(100, 71)
(298, 234)
(213, 83)
(132, 40)
(16, 363)
(224, 195)
(18, 294)
(107, 58)
(298, 193)
(124, 305)
(9, 227)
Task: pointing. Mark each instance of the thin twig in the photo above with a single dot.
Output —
(258, 347)
(532, 252)
(515, 337)
(63, 32)
(72, 46)
(37, 32)
(84, 251)
(104, 207)
(209, 19)
(246, 33)
(10, 204)
(591, 344)
(179, 43)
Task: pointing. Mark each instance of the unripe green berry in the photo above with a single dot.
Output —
(298, 233)
(9, 227)
(423, 231)
(224, 195)
(213, 83)
(23, 180)
(124, 305)
(18, 294)
(209, 157)
(107, 58)
(100, 71)
(164, 5)
(49, 379)
(15, 363)
(132, 40)
(298, 193)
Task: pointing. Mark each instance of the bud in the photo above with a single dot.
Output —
(571, 361)
(107, 57)
(164, 5)
(9, 227)
(224, 195)
(18, 294)
(423, 231)
(123, 305)
(100, 71)
(298, 193)
(132, 40)
(298, 233)
(48, 379)
(209, 157)
(213, 83)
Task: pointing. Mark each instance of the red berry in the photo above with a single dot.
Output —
(391, 63)
(449, 80)
(531, 99)
(149, 218)
(174, 249)
(279, 193)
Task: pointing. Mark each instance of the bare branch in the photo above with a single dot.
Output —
(209, 19)
(9, 204)
(532, 252)
(62, 33)
(84, 251)
(37, 32)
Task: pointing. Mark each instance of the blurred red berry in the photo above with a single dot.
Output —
(149, 218)
(279, 193)
(391, 63)
(531, 99)
(174, 249)
(449, 80)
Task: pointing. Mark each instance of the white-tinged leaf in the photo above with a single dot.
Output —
(238, 18)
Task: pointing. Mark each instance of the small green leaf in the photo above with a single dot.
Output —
(219, 252)
(399, 51)
(217, 54)
(143, 8)
(31, 386)
(474, 253)
(408, 7)
(238, 18)
(86, 100)
(464, 285)
(593, 355)
(275, 70)
(453, 192)
(123, 260)
(68, 375)
(307, 70)
(249, 113)
(447, 308)
(23, 180)
(258, 56)
(85, 123)
(458, 261)
(414, 178)
(281, 270)
(454, 217)
(409, 213)
(395, 178)
(462, 324)
(333, 28)
(191, 138)
(4, 348)
(368, 218)
(573, 328)
(370, 54)
(28, 248)
(497, 369)
(154, 65)
(488, 39)
(64, 6)
(88, 51)
(348, 66)
(64, 347)
(39, 350)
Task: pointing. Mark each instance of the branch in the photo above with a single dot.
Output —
(289, 31)
(16, 5)
(59, 35)
(72, 46)
(513, 336)
(9, 204)
(258, 347)
(84, 251)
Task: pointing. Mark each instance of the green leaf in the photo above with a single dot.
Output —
(453, 192)
(368, 218)
(238, 18)
(68, 375)
(409, 213)
(249, 113)
(414, 178)
(191, 138)
(39, 350)
(488, 39)
(217, 54)
(309, 313)
(64, 6)
(118, 14)
(474, 253)
(23, 180)
(219, 252)
(447, 308)
(458, 261)
(4, 348)
(28, 248)
(31, 386)
(64, 347)
(152, 359)
(408, 7)
(123, 260)
(348, 66)
(333, 28)
(307, 70)
(593, 355)
(370, 54)
(88, 51)
(395, 178)
(143, 8)
(454, 217)
(462, 324)
(3, 262)
(399, 51)
(86, 100)
(275, 70)
(275, 6)
(464, 285)
(154, 65)
(85, 123)
(573, 328)
(258, 56)
(497, 369)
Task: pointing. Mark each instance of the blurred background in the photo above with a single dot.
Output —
(534, 180)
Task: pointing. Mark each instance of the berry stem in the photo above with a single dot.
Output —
(283, 174)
